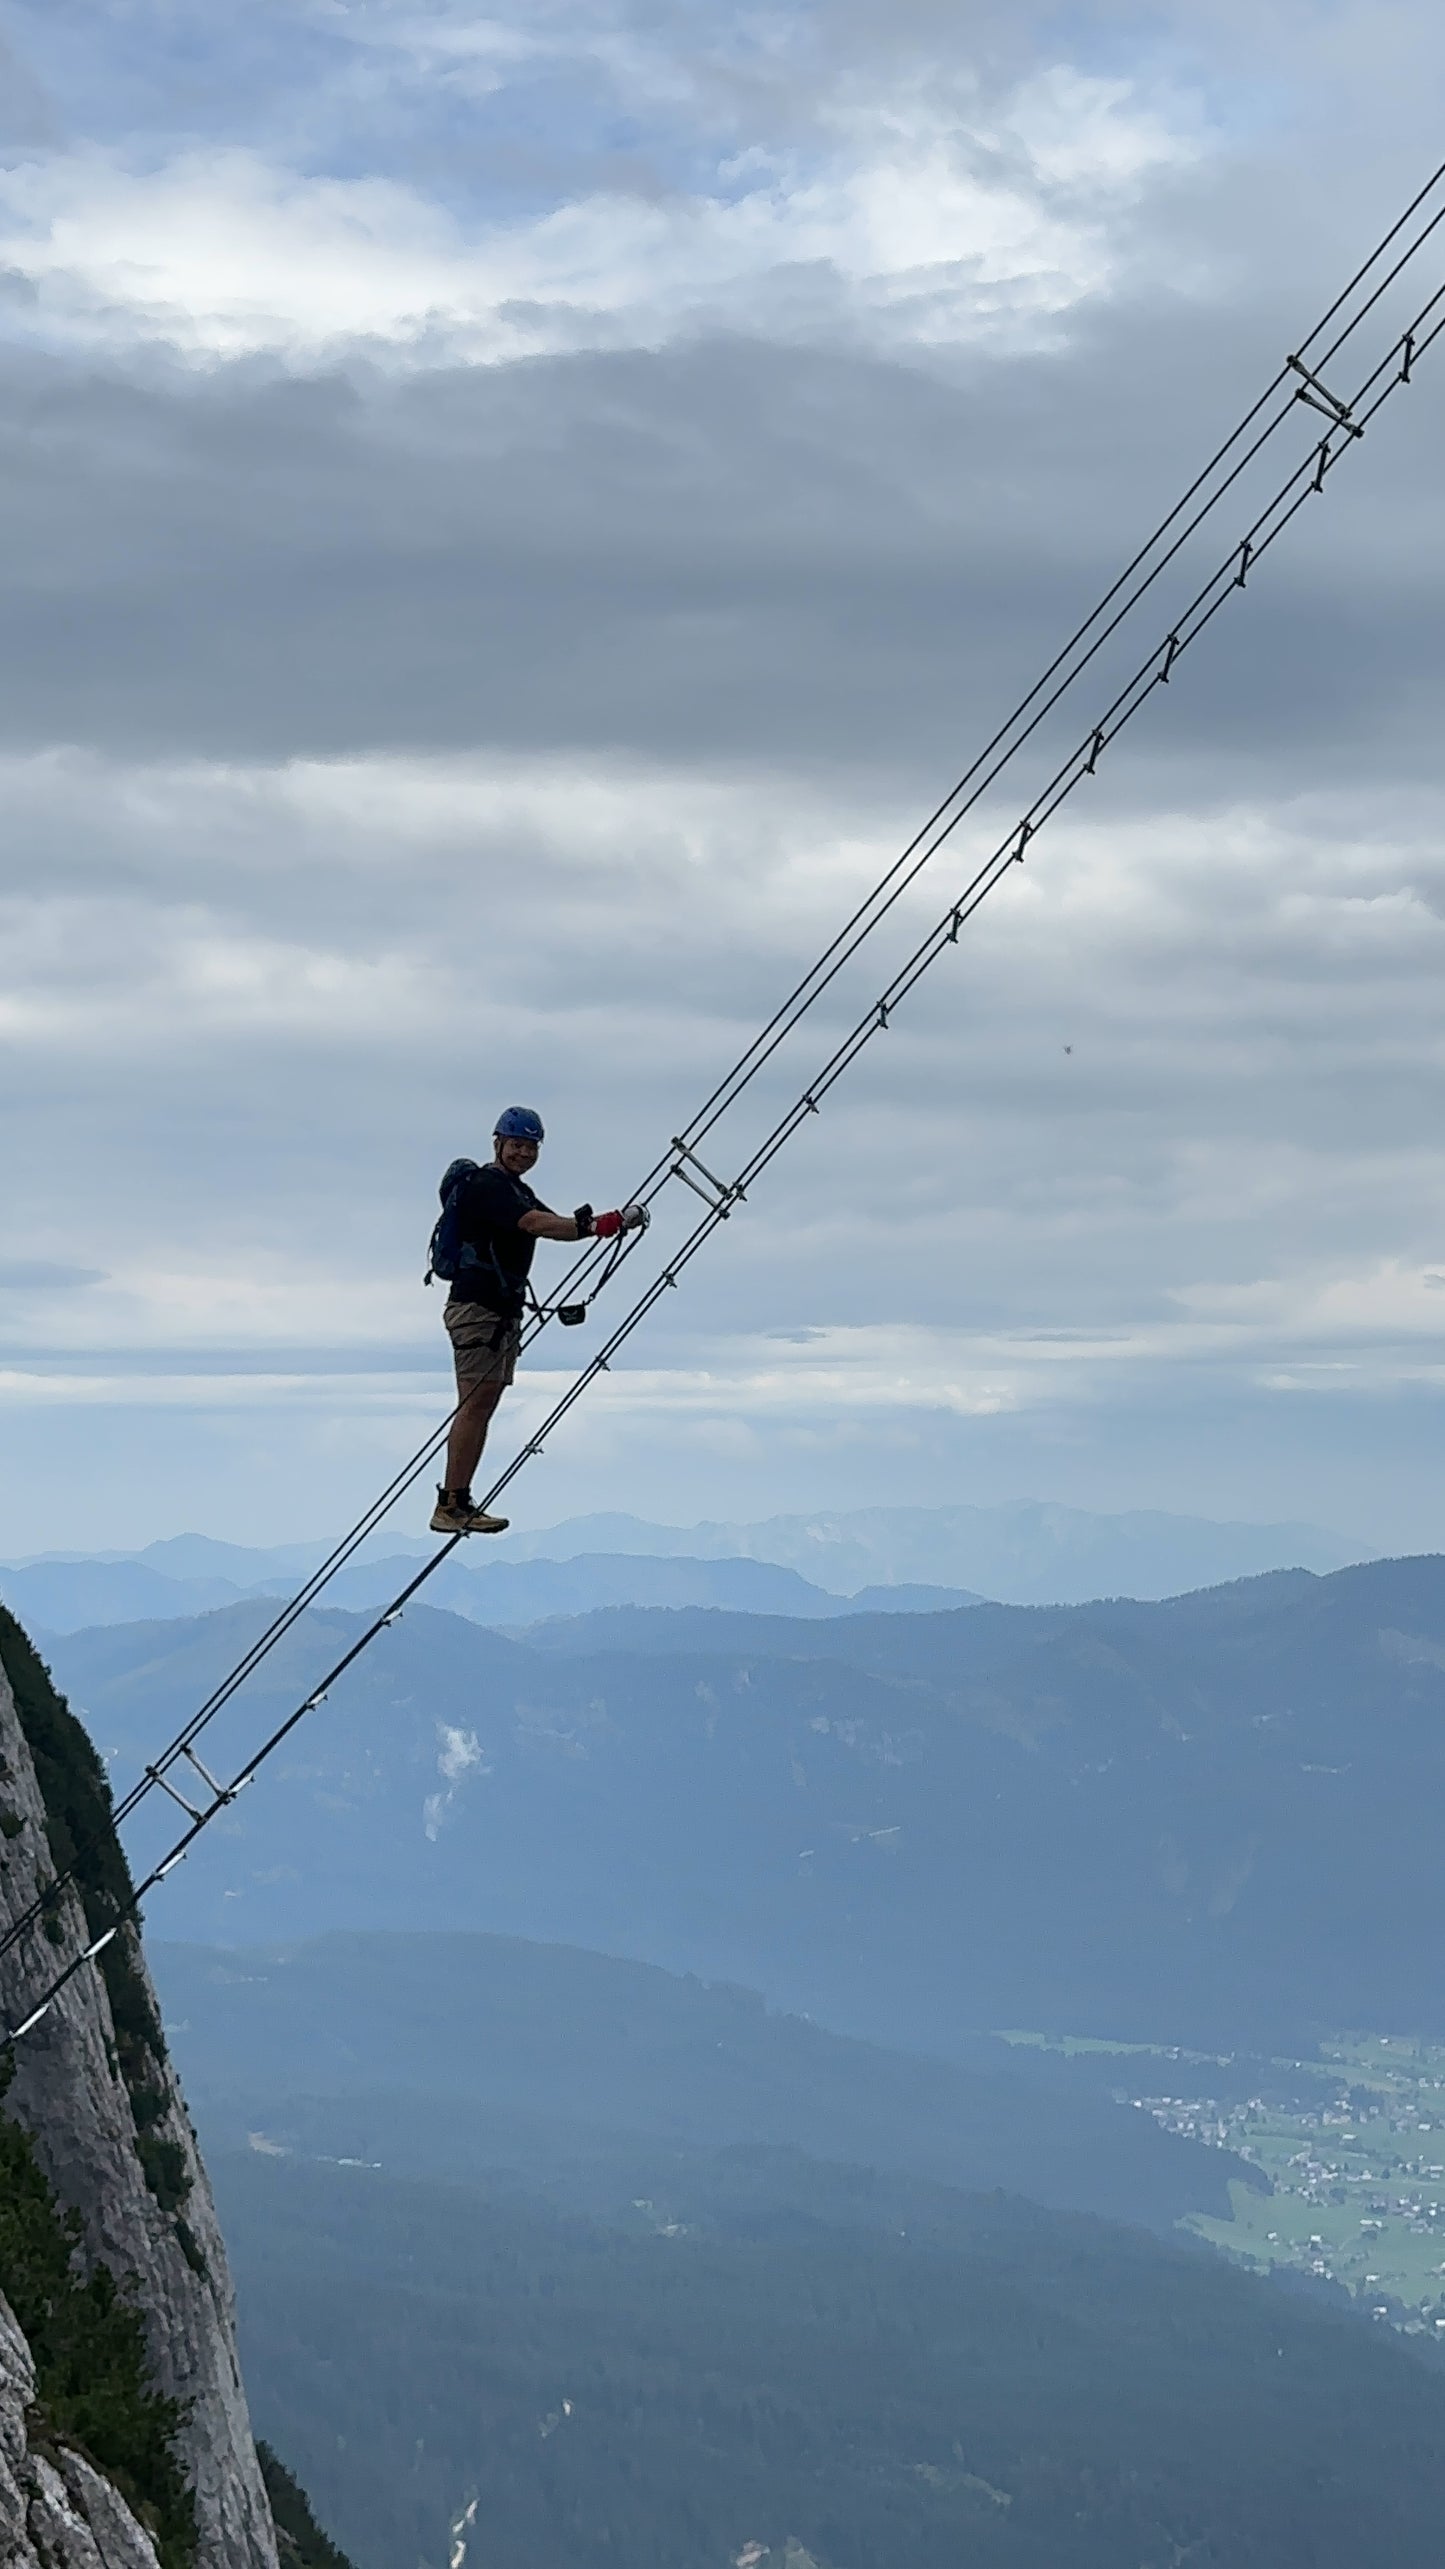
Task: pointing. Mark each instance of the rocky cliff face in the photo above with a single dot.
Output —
(93, 2088)
(56, 2512)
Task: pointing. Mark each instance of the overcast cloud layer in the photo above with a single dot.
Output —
(508, 523)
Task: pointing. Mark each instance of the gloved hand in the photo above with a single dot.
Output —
(632, 1217)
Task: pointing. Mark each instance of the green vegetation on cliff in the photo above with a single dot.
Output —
(94, 2392)
(80, 1830)
(299, 2538)
(93, 2388)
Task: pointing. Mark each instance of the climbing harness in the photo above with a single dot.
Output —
(1308, 379)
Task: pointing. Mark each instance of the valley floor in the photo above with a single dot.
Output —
(1353, 2144)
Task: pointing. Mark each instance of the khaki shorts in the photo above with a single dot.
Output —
(485, 1346)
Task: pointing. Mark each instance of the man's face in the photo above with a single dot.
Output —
(516, 1154)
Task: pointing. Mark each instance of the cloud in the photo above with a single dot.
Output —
(920, 222)
(723, 552)
(474, 625)
(459, 1755)
(230, 1386)
(26, 113)
(1248, 1000)
(49, 1275)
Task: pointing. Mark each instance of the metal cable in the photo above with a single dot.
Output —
(1347, 424)
(980, 775)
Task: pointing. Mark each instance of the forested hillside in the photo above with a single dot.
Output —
(447, 2055)
(778, 2352)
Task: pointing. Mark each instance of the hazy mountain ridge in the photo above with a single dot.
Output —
(1210, 1819)
(621, 2337)
(66, 1596)
(1022, 1554)
(1026, 1552)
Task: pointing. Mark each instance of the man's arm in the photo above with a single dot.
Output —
(543, 1225)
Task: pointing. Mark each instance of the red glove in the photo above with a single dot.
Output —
(633, 1217)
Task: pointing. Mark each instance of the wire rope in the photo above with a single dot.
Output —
(1347, 423)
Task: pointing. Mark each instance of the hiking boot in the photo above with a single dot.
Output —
(456, 1513)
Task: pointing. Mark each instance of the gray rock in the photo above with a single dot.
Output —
(17, 2390)
(56, 2512)
(77, 2520)
(69, 2095)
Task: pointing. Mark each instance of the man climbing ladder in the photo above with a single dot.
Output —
(483, 1247)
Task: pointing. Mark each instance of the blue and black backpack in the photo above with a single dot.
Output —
(449, 1253)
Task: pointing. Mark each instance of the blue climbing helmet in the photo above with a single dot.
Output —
(519, 1124)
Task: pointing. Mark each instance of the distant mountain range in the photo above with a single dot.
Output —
(1213, 1820)
(66, 1596)
(903, 1558)
(1027, 1553)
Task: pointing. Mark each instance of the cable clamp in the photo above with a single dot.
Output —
(1322, 465)
(1319, 397)
(1171, 654)
(722, 1197)
(1246, 556)
(1095, 745)
(1026, 831)
(882, 1016)
(1407, 356)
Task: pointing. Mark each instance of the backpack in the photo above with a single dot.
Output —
(448, 1253)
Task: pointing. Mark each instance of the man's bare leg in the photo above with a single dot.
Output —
(469, 1433)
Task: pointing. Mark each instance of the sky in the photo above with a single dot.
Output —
(510, 520)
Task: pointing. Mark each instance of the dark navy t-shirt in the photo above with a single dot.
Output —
(496, 1256)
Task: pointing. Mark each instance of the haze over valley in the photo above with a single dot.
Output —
(655, 1988)
(712, 1932)
(1206, 1820)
